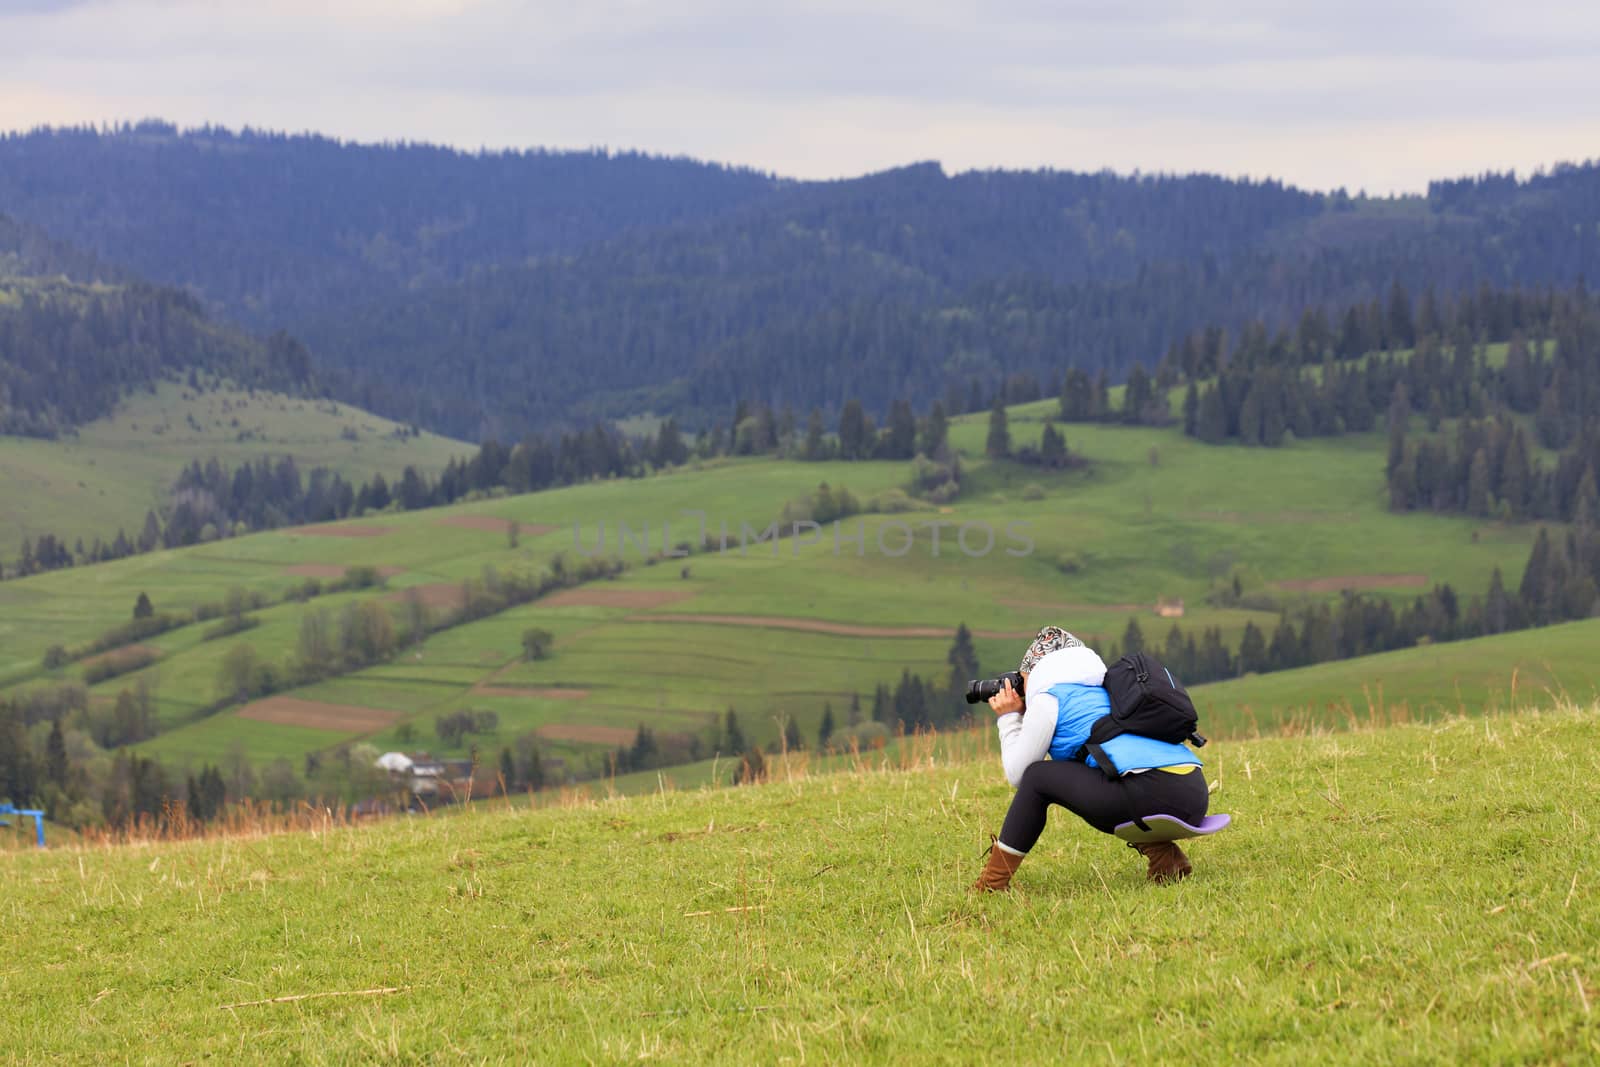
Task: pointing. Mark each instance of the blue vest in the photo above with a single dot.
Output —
(1080, 707)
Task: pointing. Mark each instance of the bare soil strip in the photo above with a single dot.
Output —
(330, 530)
(1083, 609)
(587, 733)
(1355, 581)
(292, 711)
(822, 626)
(614, 598)
(1256, 518)
(552, 693)
(334, 570)
(494, 524)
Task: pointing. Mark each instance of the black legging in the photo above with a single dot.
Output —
(1102, 802)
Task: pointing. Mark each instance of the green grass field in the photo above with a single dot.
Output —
(778, 630)
(1553, 663)
(1411, 894)
(117, 468)
(1484, 676)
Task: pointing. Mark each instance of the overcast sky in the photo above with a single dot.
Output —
(1374, 94)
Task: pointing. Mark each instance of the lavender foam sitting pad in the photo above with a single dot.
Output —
(1168, 828)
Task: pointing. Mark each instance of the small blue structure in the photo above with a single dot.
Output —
(36, 816)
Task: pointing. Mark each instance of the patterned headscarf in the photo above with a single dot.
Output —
(1050, 639)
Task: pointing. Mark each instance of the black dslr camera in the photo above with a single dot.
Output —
(981, 689)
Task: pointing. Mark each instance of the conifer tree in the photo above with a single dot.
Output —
(901, 441)
(998, 443)
(1252, 650)
(56, 767)
(815, 447)
(935, 432)
(963, 660)
(1212, 422)
(1496, 605)
(1399, 415)
(1052, 447)
(853, 431)
(1132, 638)
(733, 737)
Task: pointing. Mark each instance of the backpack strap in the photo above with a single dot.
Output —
(1103, 729)
(1103, 761)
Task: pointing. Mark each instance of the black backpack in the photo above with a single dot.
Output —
(1145, 700)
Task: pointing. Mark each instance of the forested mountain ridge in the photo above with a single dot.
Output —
(73, 343)
(28, 251)
(493, 294)
(274, 227)
(834, 294)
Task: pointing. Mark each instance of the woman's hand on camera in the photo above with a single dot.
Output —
(1006, 701)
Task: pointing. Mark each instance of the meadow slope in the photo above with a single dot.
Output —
(781, 630)
(1407, 894)
(111, 471)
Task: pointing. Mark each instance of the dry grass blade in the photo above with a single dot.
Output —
(713, 911)
(382, 991)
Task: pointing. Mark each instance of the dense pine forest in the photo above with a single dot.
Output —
(489, 295)
(275, 227)
(69, 352)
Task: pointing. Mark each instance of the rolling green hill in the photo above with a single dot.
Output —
(111, 471)
(1400, 895)
(779, 631)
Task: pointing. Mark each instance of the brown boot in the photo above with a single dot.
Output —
(1167, 862)
(997, 872)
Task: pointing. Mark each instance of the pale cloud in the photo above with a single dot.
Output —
(1364, 94)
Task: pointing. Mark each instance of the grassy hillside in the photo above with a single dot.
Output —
(1484, 676)
(1403, 895)
(774, 632)
(113, 470)
(1552, 663)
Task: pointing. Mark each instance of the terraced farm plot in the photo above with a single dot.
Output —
(780, 629)
(495, 524)
(226, 736)
(600, 597)
(586, 733)
(317, 715)
(1357, 582)
(341, 529)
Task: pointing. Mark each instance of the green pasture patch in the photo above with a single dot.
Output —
(228, 735)
(70, 607)
(583, 723)
(110, 472)
(408, 697)
(406, 669)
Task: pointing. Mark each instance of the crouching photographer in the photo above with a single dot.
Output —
(1062, 699)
